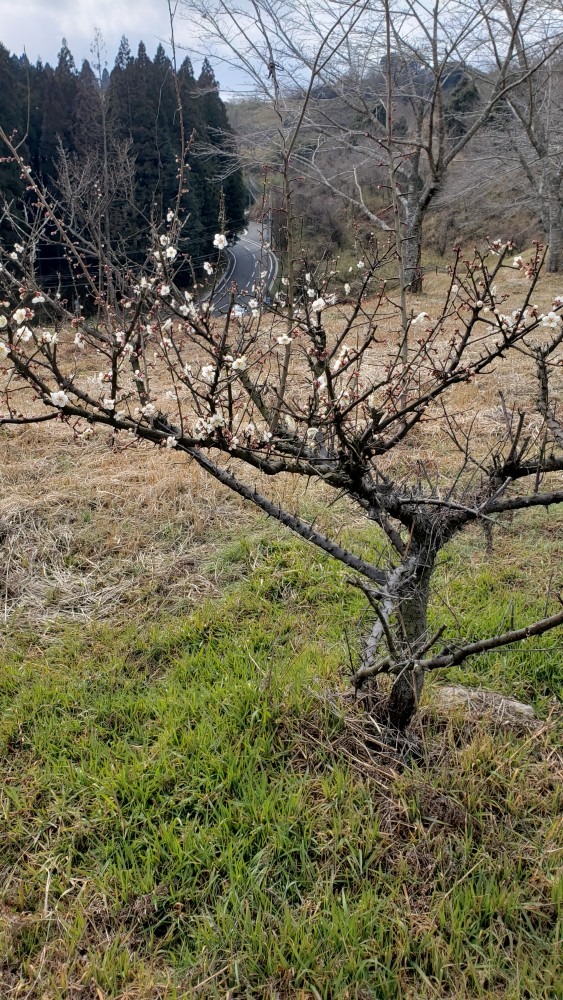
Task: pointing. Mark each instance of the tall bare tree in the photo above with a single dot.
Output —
(529, 122)
(406, 88)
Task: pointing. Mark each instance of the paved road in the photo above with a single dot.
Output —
(248, 265)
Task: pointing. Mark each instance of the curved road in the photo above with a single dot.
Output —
(249, 265)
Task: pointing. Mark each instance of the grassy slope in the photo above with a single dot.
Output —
(182, 814)
(185, 810)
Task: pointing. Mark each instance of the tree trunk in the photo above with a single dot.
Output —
(555, 232)
(405, 693)
(555, 253)
(412, 250)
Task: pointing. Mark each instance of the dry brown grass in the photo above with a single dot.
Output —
(91, 533)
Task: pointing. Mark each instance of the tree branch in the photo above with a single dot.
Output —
(289, 520)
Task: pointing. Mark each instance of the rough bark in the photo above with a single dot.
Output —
(412, 252)
(413, 610)
(555, 255)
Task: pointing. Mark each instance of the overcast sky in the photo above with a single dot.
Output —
(38, 26)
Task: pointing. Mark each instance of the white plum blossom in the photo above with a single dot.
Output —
(18, 248)
(205, 427)
(108, 404)
(207, 373)
(208, 268)
(164, 290)
(215, 420)
(80, 340)
(552, 320)
(24, 334)
(171, 253)
(311, 293)
(220, 241)
(164, 240)
(4, 350)
(342, 358)
(360, 265)
(318, 305)
(171, 442)
(37, 299)
(59, 398)
(20, 316)
(239, 364)
(308, 277)
(284, 340)
(200, 429)
(517, 262)
(169, 215)
(421, 316)
(148, 410)
(3, 322)
(253, 303)
(45, 337)
(285, 281)
(347, 288)
(13, 255)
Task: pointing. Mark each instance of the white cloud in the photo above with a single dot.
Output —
(38, 26)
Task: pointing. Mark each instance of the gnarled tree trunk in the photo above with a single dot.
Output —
(413, 609)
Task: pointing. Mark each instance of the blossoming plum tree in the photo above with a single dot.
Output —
(332, 382)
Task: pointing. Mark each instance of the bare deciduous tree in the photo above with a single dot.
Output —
(400, 92)
(528, 127)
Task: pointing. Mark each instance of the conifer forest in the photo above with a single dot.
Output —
(94, 135)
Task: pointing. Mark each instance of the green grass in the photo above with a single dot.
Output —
(179, 816)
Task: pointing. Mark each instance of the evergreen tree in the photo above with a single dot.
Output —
(87, 112)
(221, 176)
(11, 185)
(60, 93)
